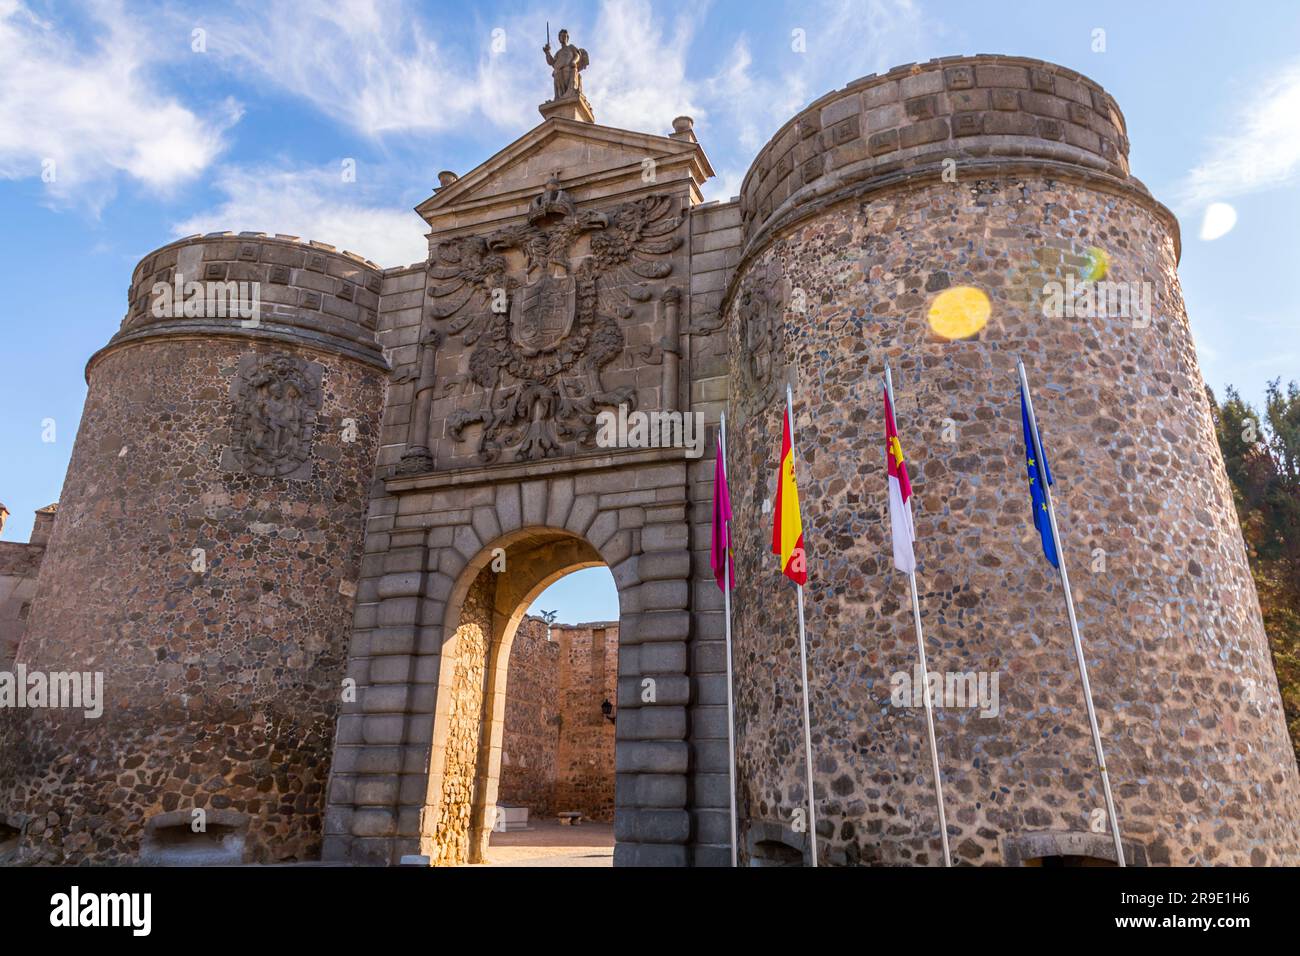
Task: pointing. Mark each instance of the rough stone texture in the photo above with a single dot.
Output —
(471, 640)
(533, 723)
(221, 685)
(1181, 675)
(978, 110)
(484, 486)
(558, 747)
(588, 675)
(19, 565)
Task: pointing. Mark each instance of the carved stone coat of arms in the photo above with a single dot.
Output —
(276, 398)
(543, 321)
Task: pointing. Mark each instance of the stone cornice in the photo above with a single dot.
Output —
(497, 192)
(321, 342)
(528, 471)
(644, 144)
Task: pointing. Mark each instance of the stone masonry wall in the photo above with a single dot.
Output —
(213, 593)
(533, 724)
(588, 675)
(716, 241)
(19, 565)
(470, 647)
(1185, 695)
(216, 591)
(972, 108)
(431, 535)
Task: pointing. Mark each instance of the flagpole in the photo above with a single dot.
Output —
(925, 671)
(726, 602)
(803, 663)
(1069, 610)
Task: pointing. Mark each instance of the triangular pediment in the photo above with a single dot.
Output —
(591, 161)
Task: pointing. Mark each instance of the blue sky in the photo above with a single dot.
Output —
(124, 126)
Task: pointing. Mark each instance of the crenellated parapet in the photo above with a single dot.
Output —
(305, 292)
(968, 113)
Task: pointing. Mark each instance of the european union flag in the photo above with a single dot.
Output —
(1037, 475)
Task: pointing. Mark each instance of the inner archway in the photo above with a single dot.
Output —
(484, 620)
(556, 791)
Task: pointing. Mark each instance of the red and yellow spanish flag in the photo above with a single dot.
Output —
(787, 526)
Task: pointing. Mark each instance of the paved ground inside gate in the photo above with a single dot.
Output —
(547, 843)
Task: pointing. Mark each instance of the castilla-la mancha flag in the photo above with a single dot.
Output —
(787, 526)
(900, 496)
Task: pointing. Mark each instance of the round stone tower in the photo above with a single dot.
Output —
(945, 218)
(204, 562)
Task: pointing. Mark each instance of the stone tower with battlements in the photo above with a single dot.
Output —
(204, 560)
(299, 549)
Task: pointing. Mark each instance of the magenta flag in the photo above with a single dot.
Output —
(720, 548)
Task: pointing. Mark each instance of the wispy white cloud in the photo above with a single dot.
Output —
(1261, 152)
(95, 114)
(643, 73)
(750, 104)
(639, 77)
(313, 203)
(379, 67)
(382, 68)
(824, 45)
(855, 37)
(724, 185)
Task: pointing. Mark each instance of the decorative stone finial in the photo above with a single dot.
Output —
(683, 129)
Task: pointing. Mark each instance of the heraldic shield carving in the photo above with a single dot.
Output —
(276, 399)
(541, 314)
(543, 321)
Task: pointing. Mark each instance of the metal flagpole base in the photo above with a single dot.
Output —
(807, 733)
(929, 720)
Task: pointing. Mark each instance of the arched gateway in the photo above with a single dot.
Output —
(418, 757)
(365, 487)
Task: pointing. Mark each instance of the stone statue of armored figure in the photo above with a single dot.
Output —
(567, 64)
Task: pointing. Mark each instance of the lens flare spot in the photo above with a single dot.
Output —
(959, 312)
(1097, 265)
(1219, 220)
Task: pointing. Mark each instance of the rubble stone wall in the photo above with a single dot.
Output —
(533, 724)
(204, 561)
(836, 284)
(588, 675)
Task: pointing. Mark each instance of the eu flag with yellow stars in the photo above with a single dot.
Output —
(1038, 473)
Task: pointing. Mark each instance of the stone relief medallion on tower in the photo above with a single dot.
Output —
(276, 400)
(761, 323)
(543, 320)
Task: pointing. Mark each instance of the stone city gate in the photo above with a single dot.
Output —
(575, 271)
(356, 467)
(418, 757)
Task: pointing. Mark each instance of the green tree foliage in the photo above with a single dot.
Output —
(1262, 456)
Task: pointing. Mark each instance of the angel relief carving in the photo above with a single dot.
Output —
(540, 331)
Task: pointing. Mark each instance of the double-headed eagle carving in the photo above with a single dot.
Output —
(542, 321)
